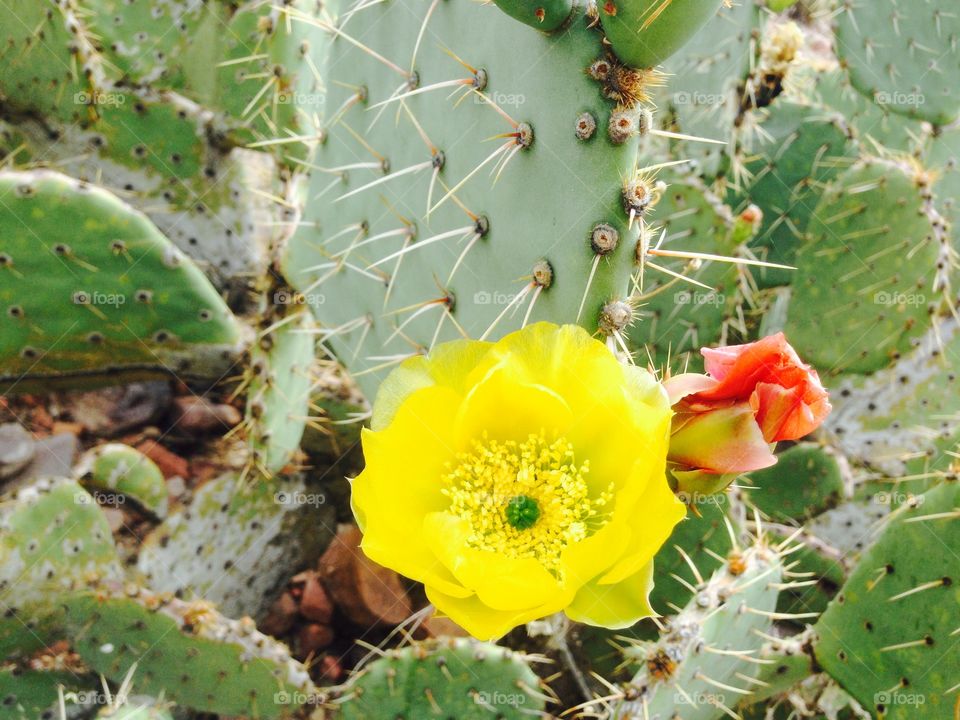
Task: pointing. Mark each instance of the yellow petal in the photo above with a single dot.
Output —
(401, 484)
(653, 518)
(482, 621)
(448, 365)
(614, 606)
(583, 561)
(501, 582)
(503, 409)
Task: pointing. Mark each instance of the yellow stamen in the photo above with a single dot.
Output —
(482, 483)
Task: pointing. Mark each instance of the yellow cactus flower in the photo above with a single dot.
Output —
(520, 478)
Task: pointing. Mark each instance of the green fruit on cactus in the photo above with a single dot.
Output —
(118, 300)
(644, 33)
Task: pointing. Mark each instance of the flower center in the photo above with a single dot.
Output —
(522, 512)
(525, 499)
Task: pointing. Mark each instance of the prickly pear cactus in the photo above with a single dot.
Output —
(234, 194)
(451, 678)
(433, 215)
(119, 298)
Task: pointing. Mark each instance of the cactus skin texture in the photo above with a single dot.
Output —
(644, 33)
(118, 297)
(188, 651)
(689, 670)
(390, 282)
(882, 638)
(454, 677)
(121, 469)
(917, 50)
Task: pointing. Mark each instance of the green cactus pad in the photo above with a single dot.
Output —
(799, 149)
(188, 652)
(48, 59)
(806, 481)
(53, 539)
(244, 539)
(33, 694)
(903, 58)
(887, 637)
(905, 414)
(127, 472)
(677, 318)
(869, 268)
(700, 538)
(692, 666)
(644, 33)
(701, 97)
(136, 710)
(553, 193)
(868, 122)
(278, 399)
(452, 677)
(118, 299)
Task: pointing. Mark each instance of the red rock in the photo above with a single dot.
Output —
(330, 668)
(169, 462)
(194, 414)
(312, 638)
(367, 593)
(280, 617)
(314, 603)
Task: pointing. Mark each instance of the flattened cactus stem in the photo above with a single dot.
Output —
(546, 15)
(644, 33)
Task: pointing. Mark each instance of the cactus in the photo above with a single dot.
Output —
(450, 678)
(881, 638)
(856, 219)
(391, 266)
(279, 394)
(245, 539)
(565, 179)
(188, 651)
(699, 662)
(806, 481)
(127, 472)
(27, 694)
(917, 51)
(54, 540)
(119, 299)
